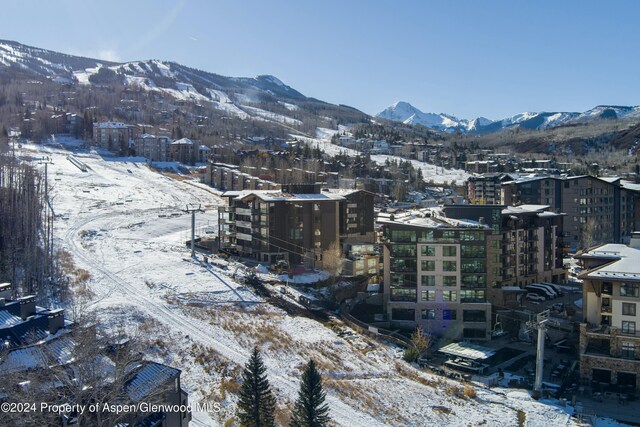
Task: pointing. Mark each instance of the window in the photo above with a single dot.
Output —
(449, 251)
(628, 309)
(449, 266)
(403, 294)
(404, 265)
(449, 280)
(428, 265)
(448, 234)
(472, 251)
(629, 290)
(428, 314)
(628, 327)
(403, 236)
(450, 296)
(449, 314)
(403, 251)
(428, 295)
(628, 350)
(403, 314)
(428, 280)
(474, 316)
(428, 250)
(472, 296)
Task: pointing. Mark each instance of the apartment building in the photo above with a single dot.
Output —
(188, 152)
(435, 274)
(610, 334)
(228, 178)
(152, 147)
(598, 209)
(294, 224)
(486, 189)
(112, 136)
(525, 247)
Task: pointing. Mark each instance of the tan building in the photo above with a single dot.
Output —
(610, 336)
(152, 147)
(112, 136)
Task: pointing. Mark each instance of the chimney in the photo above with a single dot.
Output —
(3, 302)
(481, 220)
(5, 290)
(56, 320)
(27, 306)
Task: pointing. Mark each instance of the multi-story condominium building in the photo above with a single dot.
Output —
(269, 225)
(525, 247)
(229, 178)
(445, 267)
(112, 136)
(188, 152)
(486, 189)
(152, 147)
(435, 274)
(598, 210)
(610, 334)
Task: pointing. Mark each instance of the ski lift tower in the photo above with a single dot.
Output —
(192, 209)
(540, 323)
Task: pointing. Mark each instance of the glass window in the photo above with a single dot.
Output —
(449, 265)
(628, 350)
(449, 314)
(428, 265)
(450, 296)
(474, 315)
(449, 251)
(428, 314)
(428, 295)
(403, 236)
(428, 280)
(403, 294)
(403, 314)
(428, 250)
(403, 251)
(448, 234)
(629, 290)
(449, 280)
(628, 309)
(628, 327)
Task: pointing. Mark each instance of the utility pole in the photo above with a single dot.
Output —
(541, 325)
(191, 208)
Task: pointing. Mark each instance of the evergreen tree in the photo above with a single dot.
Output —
(310, 409)
(257, 404)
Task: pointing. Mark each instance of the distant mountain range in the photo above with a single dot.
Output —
(408, 114)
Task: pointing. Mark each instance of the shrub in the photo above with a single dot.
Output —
(469, 392)
(411, 354)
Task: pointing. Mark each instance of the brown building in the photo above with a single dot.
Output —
(297, 226)
(112, 136)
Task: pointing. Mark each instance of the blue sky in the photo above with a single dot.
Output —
(467, 58)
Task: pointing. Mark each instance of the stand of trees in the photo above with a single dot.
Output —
(257, 404)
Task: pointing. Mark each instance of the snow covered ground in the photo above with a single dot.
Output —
(124, 223)
(430, 173)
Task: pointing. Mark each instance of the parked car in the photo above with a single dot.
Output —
(534, 297)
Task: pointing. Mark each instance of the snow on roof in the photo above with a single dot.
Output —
(468, 351)
(205, 148)
(183, 141)
(61, 349)
(148, 379)
(23, 359)
(111, 125)
(7, 319)
(509, 210)
(278, 196)
(625, 268)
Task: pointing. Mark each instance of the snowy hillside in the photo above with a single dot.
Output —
(123, 222)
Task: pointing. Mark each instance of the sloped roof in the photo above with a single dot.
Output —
(148, 379)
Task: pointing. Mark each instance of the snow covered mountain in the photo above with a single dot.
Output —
(263, 98)
(408, 114)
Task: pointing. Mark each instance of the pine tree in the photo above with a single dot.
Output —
(257, 404)
(310, 409)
